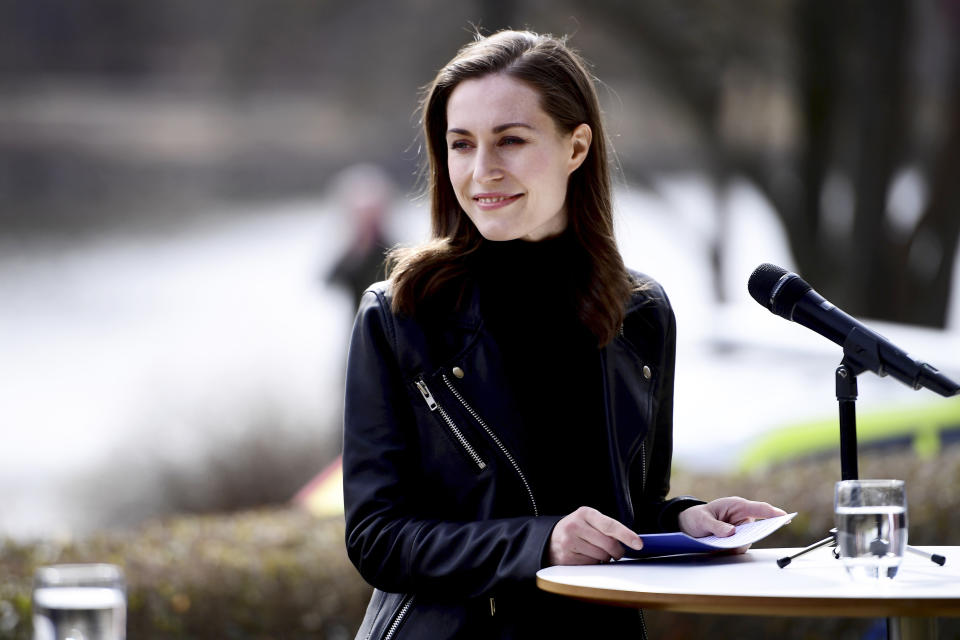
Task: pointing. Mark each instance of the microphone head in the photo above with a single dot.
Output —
(762, 282)
(777, 289)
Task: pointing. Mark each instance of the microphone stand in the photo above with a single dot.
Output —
(860, 353)
(846, 388)
(846, 385)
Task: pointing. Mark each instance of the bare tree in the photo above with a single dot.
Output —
(851, 66)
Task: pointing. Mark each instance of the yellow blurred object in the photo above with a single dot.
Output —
(323, 496)
(927, 426)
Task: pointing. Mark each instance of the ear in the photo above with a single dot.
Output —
(580, 139)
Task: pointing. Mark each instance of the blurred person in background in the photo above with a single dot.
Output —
(509, 393)
(364, 193)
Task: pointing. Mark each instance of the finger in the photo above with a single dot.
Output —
(610, 546)
(719, 528)
(580, 529)
(572, 542)
(575, 545)
(735, 552)
(613, 528)
(760, 510)
(700, 521)
(579, 559)
(740, 511)
(591, 552)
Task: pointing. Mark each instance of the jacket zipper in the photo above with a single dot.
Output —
(433, 405)
(643, 466)
(401, 614)
(496, 440)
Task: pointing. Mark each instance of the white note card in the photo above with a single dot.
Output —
(662, 544)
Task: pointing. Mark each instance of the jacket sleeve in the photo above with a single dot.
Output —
(653, 511)
(393, 547)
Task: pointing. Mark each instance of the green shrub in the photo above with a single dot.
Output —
(280, 573)
(275, 573)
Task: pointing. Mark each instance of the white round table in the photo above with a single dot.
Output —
(752, 584)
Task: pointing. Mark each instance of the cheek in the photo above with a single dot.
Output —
(551, 175)
(458, 170)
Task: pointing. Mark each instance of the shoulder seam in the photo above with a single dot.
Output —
(389, 321)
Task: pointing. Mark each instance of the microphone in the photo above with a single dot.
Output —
(789, 296)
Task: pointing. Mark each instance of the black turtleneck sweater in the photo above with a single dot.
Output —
(529, 298)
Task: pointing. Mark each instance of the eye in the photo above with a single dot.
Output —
(511, 140)
(459, 145)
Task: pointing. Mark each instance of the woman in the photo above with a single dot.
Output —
(509, 390)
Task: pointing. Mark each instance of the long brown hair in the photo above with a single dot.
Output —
(568, 96)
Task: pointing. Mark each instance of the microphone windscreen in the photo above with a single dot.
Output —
(762, 281)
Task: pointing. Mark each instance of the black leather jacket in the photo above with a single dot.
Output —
(440, 516)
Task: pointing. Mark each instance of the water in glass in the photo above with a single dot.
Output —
(871, 519)
(79, 602)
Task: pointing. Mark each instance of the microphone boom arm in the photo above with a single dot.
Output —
(863, 351)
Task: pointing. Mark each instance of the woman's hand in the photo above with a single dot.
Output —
(586, 536)
(720, 516)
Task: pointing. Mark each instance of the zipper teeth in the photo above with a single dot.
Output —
(462, 439)
(400, 616)
(643, 466)
(493, 436)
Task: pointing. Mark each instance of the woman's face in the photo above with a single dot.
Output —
(508, 161)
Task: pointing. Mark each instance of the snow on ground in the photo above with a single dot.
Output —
(118, 348)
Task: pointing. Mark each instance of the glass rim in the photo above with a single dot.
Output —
(870, 482)
(69, 574)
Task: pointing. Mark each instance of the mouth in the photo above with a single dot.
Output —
(495, 201)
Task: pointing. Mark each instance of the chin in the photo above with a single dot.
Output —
(497, 233)
(498, 236)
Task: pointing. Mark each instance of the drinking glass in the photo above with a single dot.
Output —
(79, 602)
(871, 519)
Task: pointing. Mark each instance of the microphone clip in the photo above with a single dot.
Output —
(861, 352)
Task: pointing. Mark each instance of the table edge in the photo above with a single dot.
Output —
(760, 605)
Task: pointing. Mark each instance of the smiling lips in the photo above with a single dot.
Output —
(489, 201)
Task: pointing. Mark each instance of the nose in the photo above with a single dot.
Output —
(487, 167)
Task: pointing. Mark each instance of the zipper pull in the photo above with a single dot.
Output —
(425, 392)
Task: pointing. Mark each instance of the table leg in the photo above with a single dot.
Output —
(911, 628)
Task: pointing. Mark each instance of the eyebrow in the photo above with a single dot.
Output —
(500, 128)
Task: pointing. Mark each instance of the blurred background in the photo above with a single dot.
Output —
(191, 192)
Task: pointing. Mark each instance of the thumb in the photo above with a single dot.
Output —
(719, 528)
